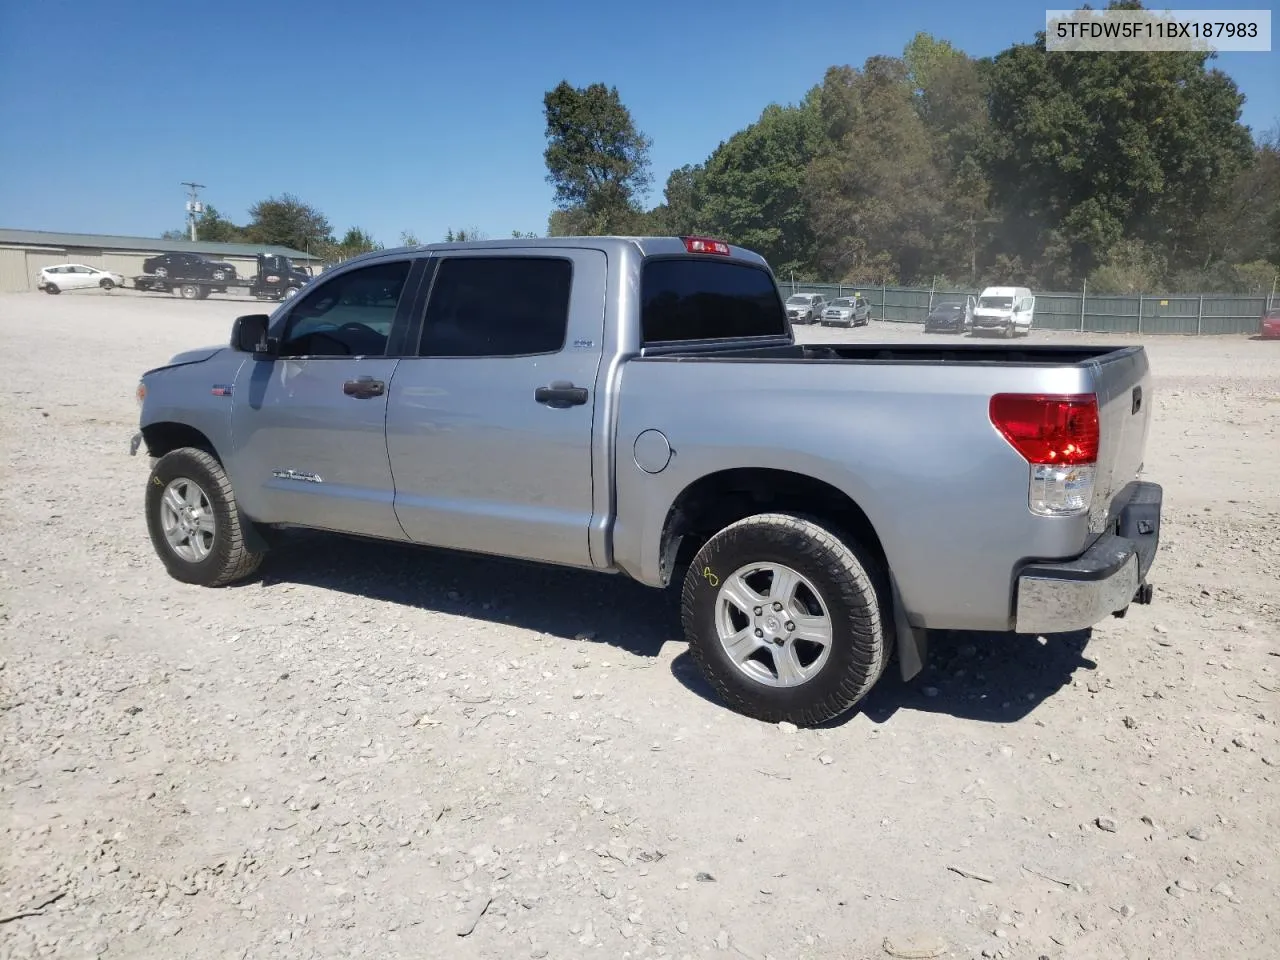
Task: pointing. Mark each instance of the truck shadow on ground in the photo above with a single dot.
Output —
(560, 602)
(987, 677)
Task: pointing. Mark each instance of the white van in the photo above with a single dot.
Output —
(1007, 309)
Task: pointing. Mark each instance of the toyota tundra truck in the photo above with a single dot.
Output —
(640, 406)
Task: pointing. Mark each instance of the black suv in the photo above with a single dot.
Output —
(188, 266)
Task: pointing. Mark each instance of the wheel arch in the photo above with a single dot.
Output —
(166, 436)
(715, 500)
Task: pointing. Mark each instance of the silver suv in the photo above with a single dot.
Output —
(805, 307)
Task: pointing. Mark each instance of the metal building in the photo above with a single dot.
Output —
(23, 253)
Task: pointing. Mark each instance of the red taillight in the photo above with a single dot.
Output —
(706, 245)
(1049, 429)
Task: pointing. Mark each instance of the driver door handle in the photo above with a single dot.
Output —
(561, 394)
(364, 388)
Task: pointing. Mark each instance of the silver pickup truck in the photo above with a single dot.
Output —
(640, 406)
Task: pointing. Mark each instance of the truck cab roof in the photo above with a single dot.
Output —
(646, 246)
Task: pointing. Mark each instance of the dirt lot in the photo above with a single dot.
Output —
(374, 751)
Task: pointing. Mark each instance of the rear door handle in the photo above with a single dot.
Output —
(561, 394)
(364, 388)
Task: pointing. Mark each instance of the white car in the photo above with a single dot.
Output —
(76, 276)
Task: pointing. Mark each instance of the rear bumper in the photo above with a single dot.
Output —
(1061, 596)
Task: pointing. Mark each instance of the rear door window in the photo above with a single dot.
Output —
(498, 307)
(688, 298)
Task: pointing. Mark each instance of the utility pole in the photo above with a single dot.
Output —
(194, 206)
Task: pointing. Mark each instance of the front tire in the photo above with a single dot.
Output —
(52, 289)
(107, 284)
(195, 526)
(785, 620)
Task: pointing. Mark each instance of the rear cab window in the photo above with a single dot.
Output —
(693, 298)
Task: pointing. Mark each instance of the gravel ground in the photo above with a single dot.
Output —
(376, 751)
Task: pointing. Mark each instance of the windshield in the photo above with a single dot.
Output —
(800, 299)
(842, 302)
(996, 303)
(948, 307)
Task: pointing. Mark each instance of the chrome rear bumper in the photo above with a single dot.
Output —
(1059, 597)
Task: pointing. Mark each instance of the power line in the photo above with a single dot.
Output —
(194, 206)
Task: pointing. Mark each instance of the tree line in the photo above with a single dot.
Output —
(287, 221)
(1129, 172)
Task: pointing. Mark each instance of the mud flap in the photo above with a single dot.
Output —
(912, 642)
(254, 539)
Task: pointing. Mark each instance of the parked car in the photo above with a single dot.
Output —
(847, 312)
(1009, 310)
(547, 400)
(805, 307)
(76, 276)
(1269, 324)
(188, 266)
(950, 316)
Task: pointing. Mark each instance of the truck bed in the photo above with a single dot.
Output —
(965, 353)
(904, 431)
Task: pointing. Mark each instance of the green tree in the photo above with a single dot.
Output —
(679, 214)
(287, 221)
(874, 189)
(752, 189)
(1245, 226)
(949, 89)
(1131, 267)
(210, 225)
(353, 243)
(1089, 149)
(597, 160)
(409, 239)
(464, 235)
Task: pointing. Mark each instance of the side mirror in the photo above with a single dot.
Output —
(249, 334)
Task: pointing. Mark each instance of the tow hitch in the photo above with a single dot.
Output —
(1142, 596)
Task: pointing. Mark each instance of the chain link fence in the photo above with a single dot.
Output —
(1187, 314)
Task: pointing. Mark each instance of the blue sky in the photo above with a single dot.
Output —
(394, 114)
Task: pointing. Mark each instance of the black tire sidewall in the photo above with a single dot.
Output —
(828, 692)
(185, 464)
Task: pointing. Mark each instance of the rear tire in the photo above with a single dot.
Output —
(813, 656)
(189, 291)
(195, 526)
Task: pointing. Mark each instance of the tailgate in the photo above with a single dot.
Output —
(1122, 383)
